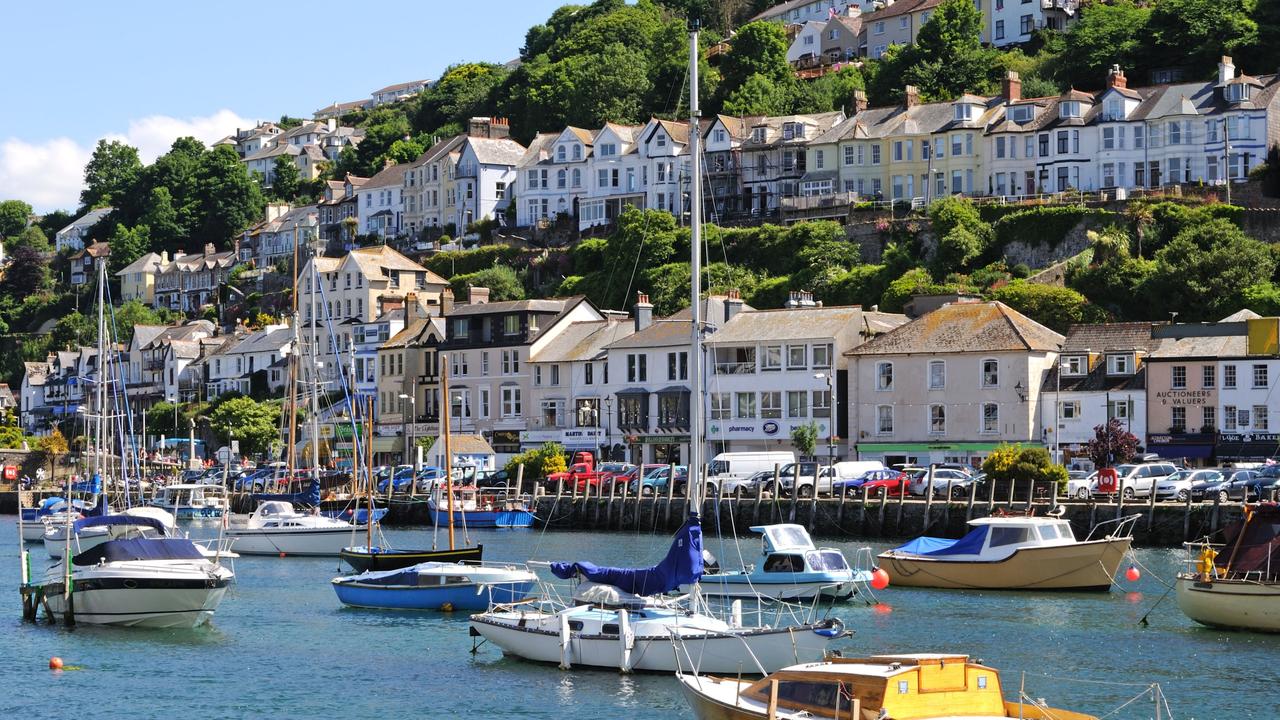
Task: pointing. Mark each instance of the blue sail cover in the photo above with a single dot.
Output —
(681, 566)
(970, 544)
(107, 520)
(139, 549)
(310, 496)
(92, 486)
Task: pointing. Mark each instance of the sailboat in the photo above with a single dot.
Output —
(620, 617)
(432, 585)
(1244, 592)
(277, 527)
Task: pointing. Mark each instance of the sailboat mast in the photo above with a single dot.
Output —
(448, 453)
(695, 266)
(314, 377)
(100, 386)
(291, 403)
(368, 467)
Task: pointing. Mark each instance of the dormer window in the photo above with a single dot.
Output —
(758, 134)
(577, 152)
(1237, 92)
(1113, 110)
(1120, 364)
(608, 149)
(660, 140)
(1020, 114)
(560, 154)
(1070, 109)
(1073, 365)
(966, 111)
(788, 131)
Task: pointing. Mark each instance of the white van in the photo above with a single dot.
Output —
(851, 469)
(731, 466)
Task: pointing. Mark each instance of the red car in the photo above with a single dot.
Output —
(890, 482)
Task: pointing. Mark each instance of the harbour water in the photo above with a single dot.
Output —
(281, 646)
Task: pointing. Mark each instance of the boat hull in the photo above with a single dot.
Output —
(316, 542)
(714, 652)
(140, 601)
(706, 707)
(363, 560)
(445, 597)
(484, 518)
(1230, 604)
(1078, 566)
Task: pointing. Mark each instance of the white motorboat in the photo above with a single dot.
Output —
(87, 536)
(790, 568)
(138, 581)
(277, 528)
(199, 500)
(1244, 592)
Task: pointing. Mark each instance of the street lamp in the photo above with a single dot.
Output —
(608, 425)
(408, 429)
(831, 416)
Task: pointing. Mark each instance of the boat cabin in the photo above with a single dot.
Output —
(995, 538)
(189, 495)
(787, 548)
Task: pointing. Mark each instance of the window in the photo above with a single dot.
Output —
(1208, 417)
(1119, 409)
(721, 406)
(937, 374)
(1179, 376)
(1229, 418)
(1228, 376)
(1026, 25)
(1174, 133)
(1260, 376)
(1043, 139)
(510, 362)
(797, 403)
(999, 30)
(879, 27)
(1118, 365)
(796, 357)
(1179, 415)
(511, 325)
(633, 411)
(555, 375)
(510, 402)
(821, 403)
(884, 419)
(822, 356)
(636, 367)
(1208, 376)
(772, 358)
(673, 409)
(990, 418)
(990, 373)
(1069, 410)
(1073, 365)
(589, 373)
(771, 404)
(875, 154)
(884, 376)
(746, 403)
(678, 366)
(1069, 109)
(937, 419)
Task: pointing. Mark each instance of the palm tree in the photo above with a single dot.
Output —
(1141, 217)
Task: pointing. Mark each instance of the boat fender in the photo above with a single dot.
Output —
(1205, 566)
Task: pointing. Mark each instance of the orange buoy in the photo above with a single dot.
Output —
(879, 579)
(1132, 574)
(55, 663)
(281, 554)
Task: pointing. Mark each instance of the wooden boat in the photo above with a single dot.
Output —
(885, 687)
(1244, 592)
(1013, 553)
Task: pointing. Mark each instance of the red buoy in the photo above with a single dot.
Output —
(1132, 574)
(55, 663)
(879, 579)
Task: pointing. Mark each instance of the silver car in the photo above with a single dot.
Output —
(958, 480)
(1178, 485)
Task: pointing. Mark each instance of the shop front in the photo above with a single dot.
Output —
(657, 448)
(768, 436)
(1190, 448)
(573, 440)
(959, 453)
(1247, 447)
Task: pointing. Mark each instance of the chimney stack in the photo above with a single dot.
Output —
(1116, 78)
(911, 96)
(209, 249)
(446, 301)
(732, 304)
(410, 308)
(331, 124)
(644, 312)
(859, 101)
(477, 295)
(1011, 88)
(1226, 70)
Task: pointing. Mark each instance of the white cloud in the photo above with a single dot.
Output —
(49, 174)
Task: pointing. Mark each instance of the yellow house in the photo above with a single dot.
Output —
(138, 279)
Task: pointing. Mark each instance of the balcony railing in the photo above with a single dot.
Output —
(735, 368)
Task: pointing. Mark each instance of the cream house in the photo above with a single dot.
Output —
(950, 385)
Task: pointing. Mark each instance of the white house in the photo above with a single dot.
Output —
(253, 362)
(808, 41)
(483, 177)
(617, 176)
(72, 237)
(553, 176)
(664, 145)
(397, 92)
(380, 203)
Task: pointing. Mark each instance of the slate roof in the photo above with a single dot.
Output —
(373, 260)
(272, 340)
(798, 324)
(1100, 339)
(390, 176)
(553, 305)
(965, 327)
(901, 7)
(496, 151)
(148, 262)
(1210, 347)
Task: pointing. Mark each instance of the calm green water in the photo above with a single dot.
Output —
(281, 646)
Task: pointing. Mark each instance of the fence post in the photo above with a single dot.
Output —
(1186, 518)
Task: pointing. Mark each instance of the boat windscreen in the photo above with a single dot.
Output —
(970, 544)
(828, 560)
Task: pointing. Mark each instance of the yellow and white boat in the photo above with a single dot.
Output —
(1013, 553)
(884, 687)
(1243, 592)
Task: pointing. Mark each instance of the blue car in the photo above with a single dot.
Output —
(655, 483)
(849, 486)
(400, 479)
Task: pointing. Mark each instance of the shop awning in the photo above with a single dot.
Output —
(926, 447)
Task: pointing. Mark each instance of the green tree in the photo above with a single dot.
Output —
(14, 215)
(1203, 273)
(462, 92)
(1057, 308)
(805, 438)
(1195, 33)
(758, 48)
(286, 180)
(230, 199)
(27, 272)
(1263, 298)
(502, 281)
(162, 221)
(539, 462)
(1105, 34)
(73, 330)
(32, 238)
(127, 245)
(111, 172)
(759, 95)
(956, 251)
(947, 58)
(134, 312)
(255, 424)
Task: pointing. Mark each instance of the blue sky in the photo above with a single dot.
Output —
(148, 72)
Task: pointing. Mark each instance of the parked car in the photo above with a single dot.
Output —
(881, 479)
(1178, 486)
(1078, 484)
(748, 486)
(1137, 480)
(637, 471)
(494, 479)
(1243, 485)
(895, 483)
(399, 480)
(655, 482)
(957, 480)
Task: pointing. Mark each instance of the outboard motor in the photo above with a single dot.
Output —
(710, 565)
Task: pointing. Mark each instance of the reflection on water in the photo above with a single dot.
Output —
(282, 646)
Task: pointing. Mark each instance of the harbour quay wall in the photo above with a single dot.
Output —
(880, 518)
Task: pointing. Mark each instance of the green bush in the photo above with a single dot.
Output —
(1038, 226)
(463, 262)
(1054, 307)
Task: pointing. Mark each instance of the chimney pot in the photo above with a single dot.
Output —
(911, 96)
(1012, 87)
(1116, 78)
(859, 101)
(644, 312)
